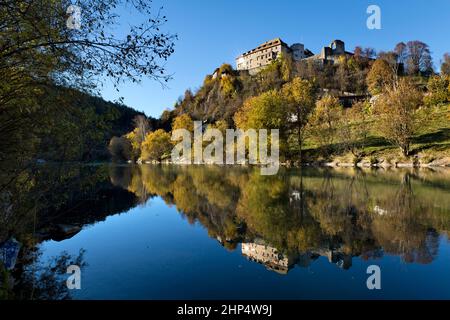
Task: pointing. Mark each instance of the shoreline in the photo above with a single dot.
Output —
(442, 163)
(384, 165)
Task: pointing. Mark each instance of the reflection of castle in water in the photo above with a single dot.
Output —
(268, 256)
(336, 214)
(279, 262)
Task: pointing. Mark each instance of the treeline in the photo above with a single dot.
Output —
(79, 126)
(399, 98)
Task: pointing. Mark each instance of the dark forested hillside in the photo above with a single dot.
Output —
(81, 125)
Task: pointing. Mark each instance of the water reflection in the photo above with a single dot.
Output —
(44, 203)
(282, 222)
(300, 215)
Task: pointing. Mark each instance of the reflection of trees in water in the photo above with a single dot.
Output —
(403, 228)
(296, 211)
(121, 175)
(264, 205)
(35, 279)
(302, 213)
(42, 194)
(205, 195)
(210, 198)
(340, 207)
(53, 202)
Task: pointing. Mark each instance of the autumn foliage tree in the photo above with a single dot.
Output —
(183, 121)
(324, 122)
(399, 114)
(300, 97)
(156, 146)
(438, 88)
(380, 76)
(266, 111)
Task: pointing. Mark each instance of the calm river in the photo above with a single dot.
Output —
(166, 232)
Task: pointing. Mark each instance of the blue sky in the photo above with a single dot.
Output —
(212, 32)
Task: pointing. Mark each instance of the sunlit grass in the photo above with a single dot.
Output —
(431, 142)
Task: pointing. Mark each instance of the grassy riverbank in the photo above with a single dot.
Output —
(431, 146)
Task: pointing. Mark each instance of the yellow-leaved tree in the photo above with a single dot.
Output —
(300, 97)
(380, 76)
(400, 114)
(183, 121)
(324, 121)
(156, 146)
(266, 111)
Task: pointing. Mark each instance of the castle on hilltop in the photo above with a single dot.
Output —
(256, 59)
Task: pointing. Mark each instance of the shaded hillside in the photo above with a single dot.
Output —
(79, 125)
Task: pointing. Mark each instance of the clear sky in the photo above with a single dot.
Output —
(212, 32)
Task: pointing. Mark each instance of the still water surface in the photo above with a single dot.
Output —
(229, 233)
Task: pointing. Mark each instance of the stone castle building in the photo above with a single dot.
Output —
(331, 53)
(256, 59)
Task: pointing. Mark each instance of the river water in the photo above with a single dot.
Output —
(210, 232)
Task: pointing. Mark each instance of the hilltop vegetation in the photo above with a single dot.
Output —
(379, 108)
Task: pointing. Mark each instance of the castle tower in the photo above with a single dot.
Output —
(298, 51)
(338, 47)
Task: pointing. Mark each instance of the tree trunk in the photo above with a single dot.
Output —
(405, 150)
